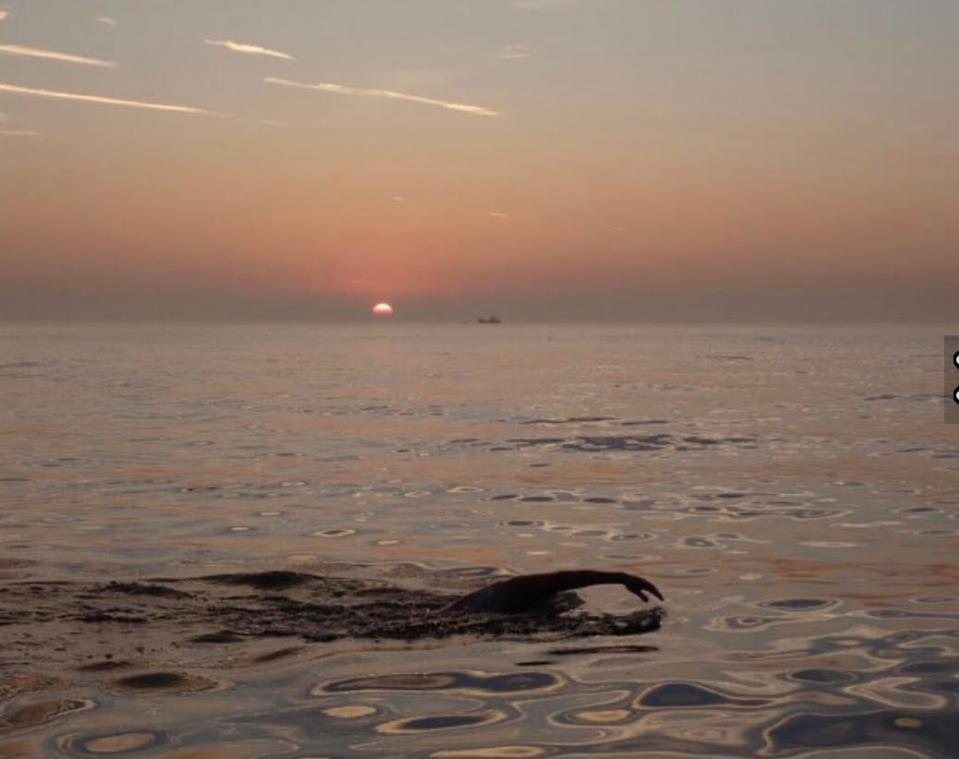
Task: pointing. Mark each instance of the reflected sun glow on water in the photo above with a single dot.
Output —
(793, 492)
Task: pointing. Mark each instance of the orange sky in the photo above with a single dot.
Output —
(547, 158)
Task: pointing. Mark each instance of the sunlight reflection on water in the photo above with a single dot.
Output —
(794, 492)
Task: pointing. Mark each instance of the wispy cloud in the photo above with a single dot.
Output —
(30, 91)
(398, 199)
(498, 215)
(52, 55)
(3, 14)
(15, 132)
(242, 47)
(341, 89)
(108, 21)
(514, 52)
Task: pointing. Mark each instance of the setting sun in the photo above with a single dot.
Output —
(383, 309)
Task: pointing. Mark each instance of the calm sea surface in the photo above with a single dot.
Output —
(793, 491)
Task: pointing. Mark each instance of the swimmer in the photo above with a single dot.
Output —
(529, 592)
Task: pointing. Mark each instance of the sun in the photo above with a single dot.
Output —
(382, 309)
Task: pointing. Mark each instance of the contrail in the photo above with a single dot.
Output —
(103, 100)
(340, 89)
(52, 55)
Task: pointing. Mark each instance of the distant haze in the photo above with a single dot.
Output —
(539, 159)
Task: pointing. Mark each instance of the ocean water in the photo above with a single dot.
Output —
(793, 491)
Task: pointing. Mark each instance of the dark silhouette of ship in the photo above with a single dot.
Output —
(491, 319)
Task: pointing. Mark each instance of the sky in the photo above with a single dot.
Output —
(596, 160)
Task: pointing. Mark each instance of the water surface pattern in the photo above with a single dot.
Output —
(793, 491)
